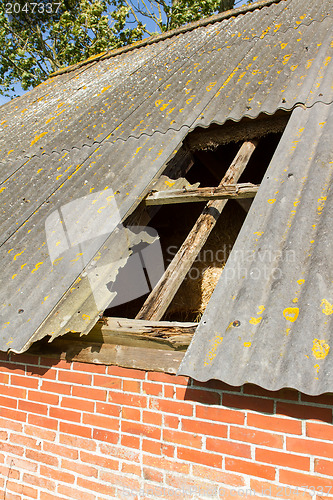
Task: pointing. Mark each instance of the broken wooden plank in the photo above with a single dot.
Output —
(159, 299)
(108, 354)
(188, 195)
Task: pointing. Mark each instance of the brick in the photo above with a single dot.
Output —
(200, 489)
(169, 391)
(183, 438)
(48, 496)
(24, 359)
(250, 468)
(141, 429)
(152, 389)
(168, 379)
(62, 414)
(129, 413)
(8, 402)
(274, 423)
(166, 406)
(11, 496)
(78, 467)
(9, 472)
(77, 430)
(283, 459)
(102, 435)
(61, 451)
(322, 399)
(217, 476)
(43, 397)
(40, 432)
(57, 475)
(131, 386)
(56, 387)
(198, 395)
(120, 480)
(130, 441)
(89, 393)
(152, 475)
(255, 390)
(107, 382)
(101, 421)
(199, 457)
(309, 447)
(74, 377)
(44, 458)
(49, 423)
(324, 467)
(297, 479)
(217, 385)
(96, 486)
(319, 431)
(168, 450)
(88, 367)
(104, 462)
(150, 446)
(77, 404)
(40, 372)
(12, 414)
(256, 437)
(7, 447)
(77, 442)
(21, 463)
(127, 399)
(41, 482)
(23, 440)
(171, 421)
(13, 391)
(31, 407)
(23, 381)
(3, 435)
(205, 428)
(248, 403)
(119, 452)
(304, 411)
(269, 490)
(223, 415)
(131, 469)
(75, 493)
(165, 464)
(6, 423)
(108, 409)
(117, 371)
(227, 447)
(151, 417)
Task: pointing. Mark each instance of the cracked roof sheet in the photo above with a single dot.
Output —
(112, 123)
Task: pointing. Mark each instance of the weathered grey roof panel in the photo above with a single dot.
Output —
(113, 123)
(278, 282)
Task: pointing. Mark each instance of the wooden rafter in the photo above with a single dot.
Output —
(161, 296)
(225, 192)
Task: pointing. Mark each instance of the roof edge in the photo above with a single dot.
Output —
(168, 34)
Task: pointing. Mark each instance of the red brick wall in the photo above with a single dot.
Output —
(88, 432)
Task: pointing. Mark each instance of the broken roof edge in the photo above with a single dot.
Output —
(168, 34)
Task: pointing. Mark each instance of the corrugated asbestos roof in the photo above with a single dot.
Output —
(270, 318)
(112, 124)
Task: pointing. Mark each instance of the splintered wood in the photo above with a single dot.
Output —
(163, 293)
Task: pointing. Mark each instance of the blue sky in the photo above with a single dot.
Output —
(20, 91)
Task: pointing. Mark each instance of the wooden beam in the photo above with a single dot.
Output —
(163, 293)
(226, 192)
(109, 354)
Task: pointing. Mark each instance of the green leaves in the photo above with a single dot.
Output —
(36, 42)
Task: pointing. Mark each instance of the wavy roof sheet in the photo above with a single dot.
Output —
(112, 123)
(270, 319)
